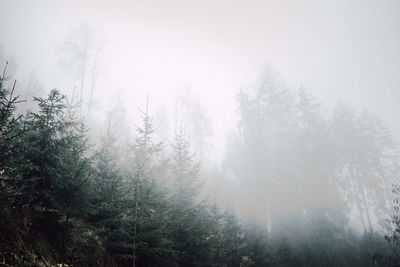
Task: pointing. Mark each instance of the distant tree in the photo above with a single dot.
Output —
(232, 240)
(264, 148)
(284, 147)
(184, 216)
(31, 87)
(191, 117)
(117, 113)
(314, 164)
(80, 55)
(185, 171)
(365, 162)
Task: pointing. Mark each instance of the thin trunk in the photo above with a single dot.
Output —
(135, 225)
(356, 192)
(387, 192)
(139, 176)
(63, 243)
(269, 220)
(362, 217)
(105, 258)
(93, 82)
(83, 69)
(364, 197)
(176, 116)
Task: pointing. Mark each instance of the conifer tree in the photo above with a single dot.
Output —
(149, 208)
(52, 173)
(108, 201)
(11, 237)
(185, 214)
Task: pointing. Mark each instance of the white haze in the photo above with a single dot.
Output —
(345, 50)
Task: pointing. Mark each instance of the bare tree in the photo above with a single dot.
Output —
(80, 55)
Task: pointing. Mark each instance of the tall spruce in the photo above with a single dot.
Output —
(150, 245)
(108, 201)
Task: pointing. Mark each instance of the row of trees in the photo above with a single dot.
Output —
(293, 159)
(63, 201)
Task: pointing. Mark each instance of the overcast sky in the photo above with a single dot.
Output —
(338, 50)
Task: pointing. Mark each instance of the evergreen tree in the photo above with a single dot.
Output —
(11, 237)
(108, 202)
(232, 240)
(150, 245)
(52, 173)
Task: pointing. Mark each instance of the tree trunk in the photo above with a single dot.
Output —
(366, 208)
(135, 225)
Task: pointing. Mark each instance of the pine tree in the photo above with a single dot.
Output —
(365, 161)
(264, 147)
(193, 229)
(149, 204)
(185, 172)
(52, 170)
(314, 162)
(232, 242)
(11, 238)
(108, 201)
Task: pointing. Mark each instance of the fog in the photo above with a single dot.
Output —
(337, 50)
(288, 109)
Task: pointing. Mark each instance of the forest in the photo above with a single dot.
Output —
(229, 133)
(67, 201)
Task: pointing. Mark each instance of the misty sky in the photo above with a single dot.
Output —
(348, 50)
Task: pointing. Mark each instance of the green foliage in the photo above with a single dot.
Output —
(108, 202)
(63, 202)
(393, 238)
(48, 171)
